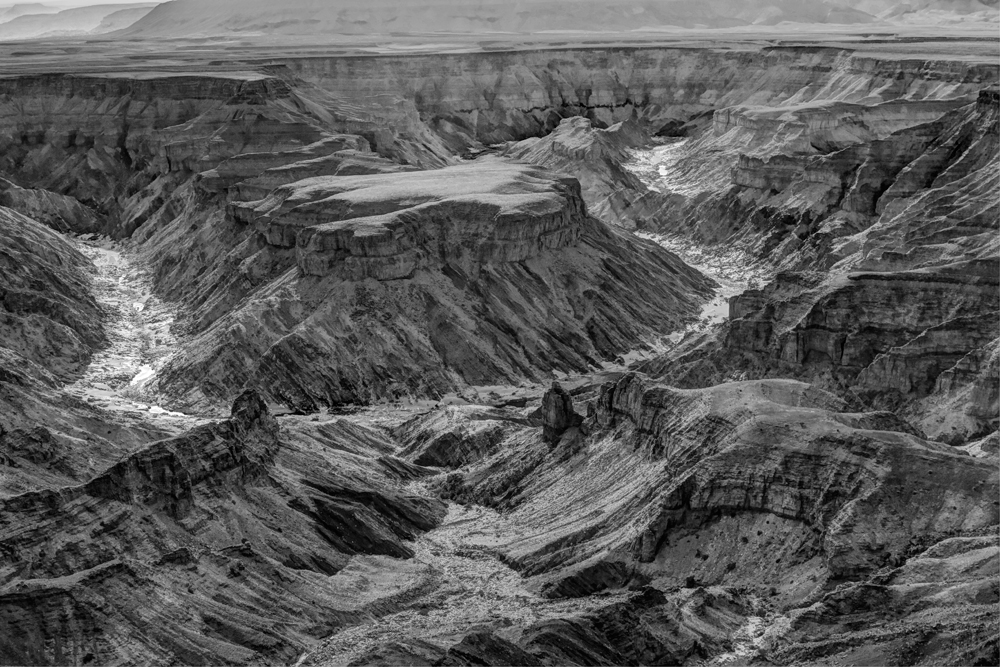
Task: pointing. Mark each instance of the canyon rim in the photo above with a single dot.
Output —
(549, 332)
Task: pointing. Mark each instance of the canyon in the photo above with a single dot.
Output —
(634, 347)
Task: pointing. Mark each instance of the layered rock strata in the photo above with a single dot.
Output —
(765, 514)
(595, 156)
(422, 282)
(386, 228)
(48, 316)
(891, 281)
(742, 483)
(60, 212)
(214, 546)
(493, 97)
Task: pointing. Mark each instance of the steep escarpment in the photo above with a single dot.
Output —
(48, 316)
(60, 212)
(324, 245)
(803, 183)
(420, 283)
(906, 229)
(50, 439)
(765, 512)
(387, 228)
(214, 546)
(596, 157)
(712, 476)
(122, 144)
(952, 581)
(486, 98)
(87, 136)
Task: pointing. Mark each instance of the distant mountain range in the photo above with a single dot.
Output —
(316, 18)
(35, 20)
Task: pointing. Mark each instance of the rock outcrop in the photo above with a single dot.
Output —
(596, 156)
(557, 413)
(699, 483)
(387, 227)
(763, 516)
(49, 439)
(60, 212)
(942, 602)
(911, 294)
(418, 283)
(487, 98)
(456, 436)
(312, 220)
(217, 545)
(48, 315)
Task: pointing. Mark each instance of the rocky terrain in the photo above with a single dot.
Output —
(683, 353)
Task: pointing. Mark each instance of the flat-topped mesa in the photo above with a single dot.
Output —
(387, 226)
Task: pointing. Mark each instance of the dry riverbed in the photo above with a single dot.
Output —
(138, 327)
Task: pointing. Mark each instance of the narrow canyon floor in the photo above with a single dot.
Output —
(139, 326)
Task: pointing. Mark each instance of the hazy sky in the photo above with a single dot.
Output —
(72, 3)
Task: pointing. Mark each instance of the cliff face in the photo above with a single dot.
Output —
(419, 283)
(774, 488)
(184, 163)
(712, 474)
(99, 139)
(60, 212)
(880, 229)
(120, 143)
(494, 97)
(149, 559)
(48, 316)
(387, 227)
(595, 156)
(327, 246)
(911, 295)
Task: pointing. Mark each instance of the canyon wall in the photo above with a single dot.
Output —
(889, 265)
(173, 160)
(495, 97)
(49, 319)
(415, 283)
(621, 519)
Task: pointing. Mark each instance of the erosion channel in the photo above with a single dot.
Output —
(548, 349)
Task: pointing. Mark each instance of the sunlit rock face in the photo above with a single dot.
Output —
(908, 296)
(419, 282)
(595, 156)
(389, 226)
(509, 96)
(879, 221)
(236, 507)
(669, 476)
(330, 233)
